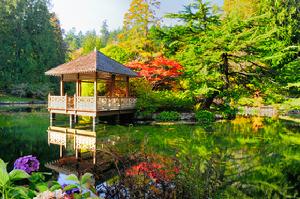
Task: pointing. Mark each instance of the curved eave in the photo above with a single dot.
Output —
(50, 73)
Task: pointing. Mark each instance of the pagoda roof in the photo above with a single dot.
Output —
(93, 62)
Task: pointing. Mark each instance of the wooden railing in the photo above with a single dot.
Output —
(57, 102)
(78, 103)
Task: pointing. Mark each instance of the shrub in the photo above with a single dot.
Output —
(149, 101)
(20, 90)
(204, 116)
(227, 111)
(175, 101)
(146, 99)
(168, 116)
(39, 91)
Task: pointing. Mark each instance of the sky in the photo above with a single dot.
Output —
(87, 15)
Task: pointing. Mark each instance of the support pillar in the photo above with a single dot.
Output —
(62, 90)
(127, 87)
(79, 88)
(71, 121)
(51, 119)
(76, 119)
(60, 151)
(112, 85)
(94, 124)
(94, 156)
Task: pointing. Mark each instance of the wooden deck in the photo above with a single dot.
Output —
(90, 106)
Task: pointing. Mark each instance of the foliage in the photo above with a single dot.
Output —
(146, 102)
(8, 189)
(228, 112)
(90, 42)
(31, 42)
(9, 98)
(38, 90)
(160, 71)
(239, 163)
(244, 101)
(140, 16)
(174, 100)
(149, 101)
(150, 176)
(232, 57)
(84, 185)
(291, 104)
(204, 116)
(241, 8)
(167, 116)
(36, 184)
(104, 33)
(118, 53)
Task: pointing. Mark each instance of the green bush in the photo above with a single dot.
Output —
(39, 91)
(167, 116)
(204, 116)
(175, 101)
(227, 111)
(146, 99)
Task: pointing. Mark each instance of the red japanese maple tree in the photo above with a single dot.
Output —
(159, 71)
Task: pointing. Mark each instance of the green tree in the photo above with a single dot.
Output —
(31, 43)
(241, 8)
(104, 33)
(140, 16)
(90, 42)
(230, 57)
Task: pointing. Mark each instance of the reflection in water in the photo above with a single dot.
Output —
(82, 140)
(80, 152)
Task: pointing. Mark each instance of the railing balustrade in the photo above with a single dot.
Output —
(79, 103)
(85, 103)
(57, 102)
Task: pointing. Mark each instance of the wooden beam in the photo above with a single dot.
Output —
(95, 91)
(127, 87)
(77, 85)
(62, 91)
(112, 85)
(79, 88)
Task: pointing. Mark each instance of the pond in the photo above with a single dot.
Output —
(249, 150)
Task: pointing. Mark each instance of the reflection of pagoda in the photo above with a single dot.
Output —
(83, 140)
(87, 157)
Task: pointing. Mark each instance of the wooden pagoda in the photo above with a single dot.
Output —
(93, 68)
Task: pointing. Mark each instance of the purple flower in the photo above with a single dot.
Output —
(72, 191)
(28, 164)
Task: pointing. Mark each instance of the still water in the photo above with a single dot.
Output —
(24, 132)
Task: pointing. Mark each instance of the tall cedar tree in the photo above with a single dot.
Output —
(31, 42)
(234, 57)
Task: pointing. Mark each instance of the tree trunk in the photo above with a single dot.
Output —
(208, 101)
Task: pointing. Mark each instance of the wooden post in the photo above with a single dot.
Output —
(94, 156)
(78, 85)
(66, 105)
(127, 86)
(79, 88)
(112, 85)
(95, 92)
(61, 151)
(94, 124)
(62, 91)
(71, 121)
(51, 119)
